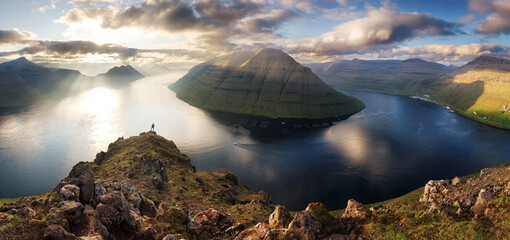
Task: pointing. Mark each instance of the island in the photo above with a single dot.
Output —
(267, 83)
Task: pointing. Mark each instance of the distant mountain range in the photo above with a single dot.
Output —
(266, 83)
(480, 89)
(23, 82)
(406, 77)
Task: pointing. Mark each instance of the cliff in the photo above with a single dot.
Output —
(143, 187)
(266, 83)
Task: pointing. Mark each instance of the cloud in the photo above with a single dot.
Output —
(14, 36)
(79, 49)
(50, 6)
(498, 21)
(381, 28)
(227, 20)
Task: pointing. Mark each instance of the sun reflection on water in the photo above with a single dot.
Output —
(98, 110)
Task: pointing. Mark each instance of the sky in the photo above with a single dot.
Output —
(75, 33)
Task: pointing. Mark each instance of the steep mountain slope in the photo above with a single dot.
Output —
(480, 89)
(23, 82)
(143, 187)
(267, 83)
(408, 77)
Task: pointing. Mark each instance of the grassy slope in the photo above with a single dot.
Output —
(405, 217)
(269, 83)
(483, 91)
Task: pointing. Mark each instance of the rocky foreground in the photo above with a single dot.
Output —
(143, 187)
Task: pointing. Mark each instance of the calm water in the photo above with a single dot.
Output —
(392, 147)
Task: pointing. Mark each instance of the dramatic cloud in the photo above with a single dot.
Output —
(226, 20)
(76, 49)
(381, 28)
(498, 21)
(14, 36)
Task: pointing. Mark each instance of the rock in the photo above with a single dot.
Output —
(256, 232)
(507, 189)
(134, 221)
(100, 157)
(135, 200)
(280, 218)
(170, 237)
(174, 216)
(99, 190)
(484, 198)
(483, 172)
(148, 233)
(276, 234)
(147, 207)
(95, 237)
(70, 192)
(434, 191)
(304, 227)
(112, 209)
(441, 208)
(26, 212)
(87, 187)
(456, 181)
(73, 211)
(57, 232)
(210, 223)
(57, 217)
(355, 209)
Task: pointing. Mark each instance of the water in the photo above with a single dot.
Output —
(393, 146)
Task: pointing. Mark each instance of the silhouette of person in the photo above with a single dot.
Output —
(152, 127)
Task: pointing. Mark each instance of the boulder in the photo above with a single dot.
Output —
(26, 212)
(280, 218)
(87, 187)
(355, 209)
(73, 211)
(99, 190)
(456, 181)
(94, 237)
(256, 232)
(70, 192)
(304, 227)
(507, 189)
(112, 209)
(170, 237)
(56, 216)
(483, 199)
(135, 200)
(434, 191)
(57, 232)
(147, 207)
(210, 223)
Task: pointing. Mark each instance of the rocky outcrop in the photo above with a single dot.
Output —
(483, 199)
(355, 210)
(280, 218)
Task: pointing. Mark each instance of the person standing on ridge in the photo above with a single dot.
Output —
(152, 128)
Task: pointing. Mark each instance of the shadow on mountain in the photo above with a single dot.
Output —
(461, 96)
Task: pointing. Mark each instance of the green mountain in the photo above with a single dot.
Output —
(143, 187)
(266, 83)
(407, 77)
(23, 82)
(480, 90)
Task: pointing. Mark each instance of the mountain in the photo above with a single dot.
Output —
(480, 90)
(23, 82)
(118, 76)
(266, 83)
(143, 187)
(407, 77)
